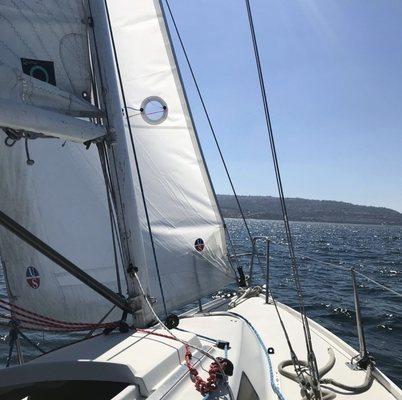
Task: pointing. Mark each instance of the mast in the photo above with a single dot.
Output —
(183, 236)
(118, 153)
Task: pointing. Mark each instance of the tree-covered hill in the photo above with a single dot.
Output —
(267, 207)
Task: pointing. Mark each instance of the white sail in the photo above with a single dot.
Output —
(45, 64)
(186, 225)
(62, 197)
(46, 40)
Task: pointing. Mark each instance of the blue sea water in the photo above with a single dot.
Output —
(372, 249)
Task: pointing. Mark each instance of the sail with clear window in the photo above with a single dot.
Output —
(61, 198)
(187, 228)
(45, 88)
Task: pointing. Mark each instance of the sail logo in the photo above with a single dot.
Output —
(33, 278)
(199, 245)
(39, 69)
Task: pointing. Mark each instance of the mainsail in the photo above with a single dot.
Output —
(45, 68)
(175, 232)
(45, 65)
(190, 259)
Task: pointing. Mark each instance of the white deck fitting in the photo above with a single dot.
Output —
(155, 364)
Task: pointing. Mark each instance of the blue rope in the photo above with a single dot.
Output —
(275, 388)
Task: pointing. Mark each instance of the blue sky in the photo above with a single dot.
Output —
(333, 70)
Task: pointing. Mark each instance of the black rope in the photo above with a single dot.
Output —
(209, 122)
(114, 217)
(136, 162)
(102, 156)
(311, 356)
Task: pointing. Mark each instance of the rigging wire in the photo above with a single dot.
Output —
(119, 198)
(211, 127)
(311, 356)
(345, 268)
(102, 158)
(206, 170)
(304, 256)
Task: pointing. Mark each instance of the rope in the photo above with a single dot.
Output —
(103, 160)
(186, 344)
(203, 386)
(311, 356)
(274, 387)
(379, 284)
(212, 129)
(300, 378)
(33, 319)
(357, 272)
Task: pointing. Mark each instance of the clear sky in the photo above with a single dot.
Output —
(333, 70)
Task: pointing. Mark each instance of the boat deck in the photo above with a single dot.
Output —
(145, 366)
(265, 320)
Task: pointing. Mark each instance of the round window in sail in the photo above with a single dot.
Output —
(38, 72)
(199, 245)
(154, 110)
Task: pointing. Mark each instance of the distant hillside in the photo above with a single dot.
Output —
(267, 207)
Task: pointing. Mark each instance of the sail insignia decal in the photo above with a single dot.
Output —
(154, 110)
(39, 69)
(199, 245)
(33, 277)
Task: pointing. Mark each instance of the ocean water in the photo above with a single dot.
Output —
(372, 249)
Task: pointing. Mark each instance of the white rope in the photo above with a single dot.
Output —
(201, 350)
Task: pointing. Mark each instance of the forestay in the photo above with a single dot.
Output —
(62, 197)
(185, 221)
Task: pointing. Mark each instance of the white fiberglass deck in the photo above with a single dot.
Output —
(143, 366)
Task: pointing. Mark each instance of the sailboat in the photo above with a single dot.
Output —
(110, 224)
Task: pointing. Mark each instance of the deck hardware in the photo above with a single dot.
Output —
(172, 321)
(364, 359)
(228, 366)
(254, 254)
(221, 344)
(241, 281)
(14, 335)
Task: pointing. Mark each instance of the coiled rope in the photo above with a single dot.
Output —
(216, 361)
(203, 386)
